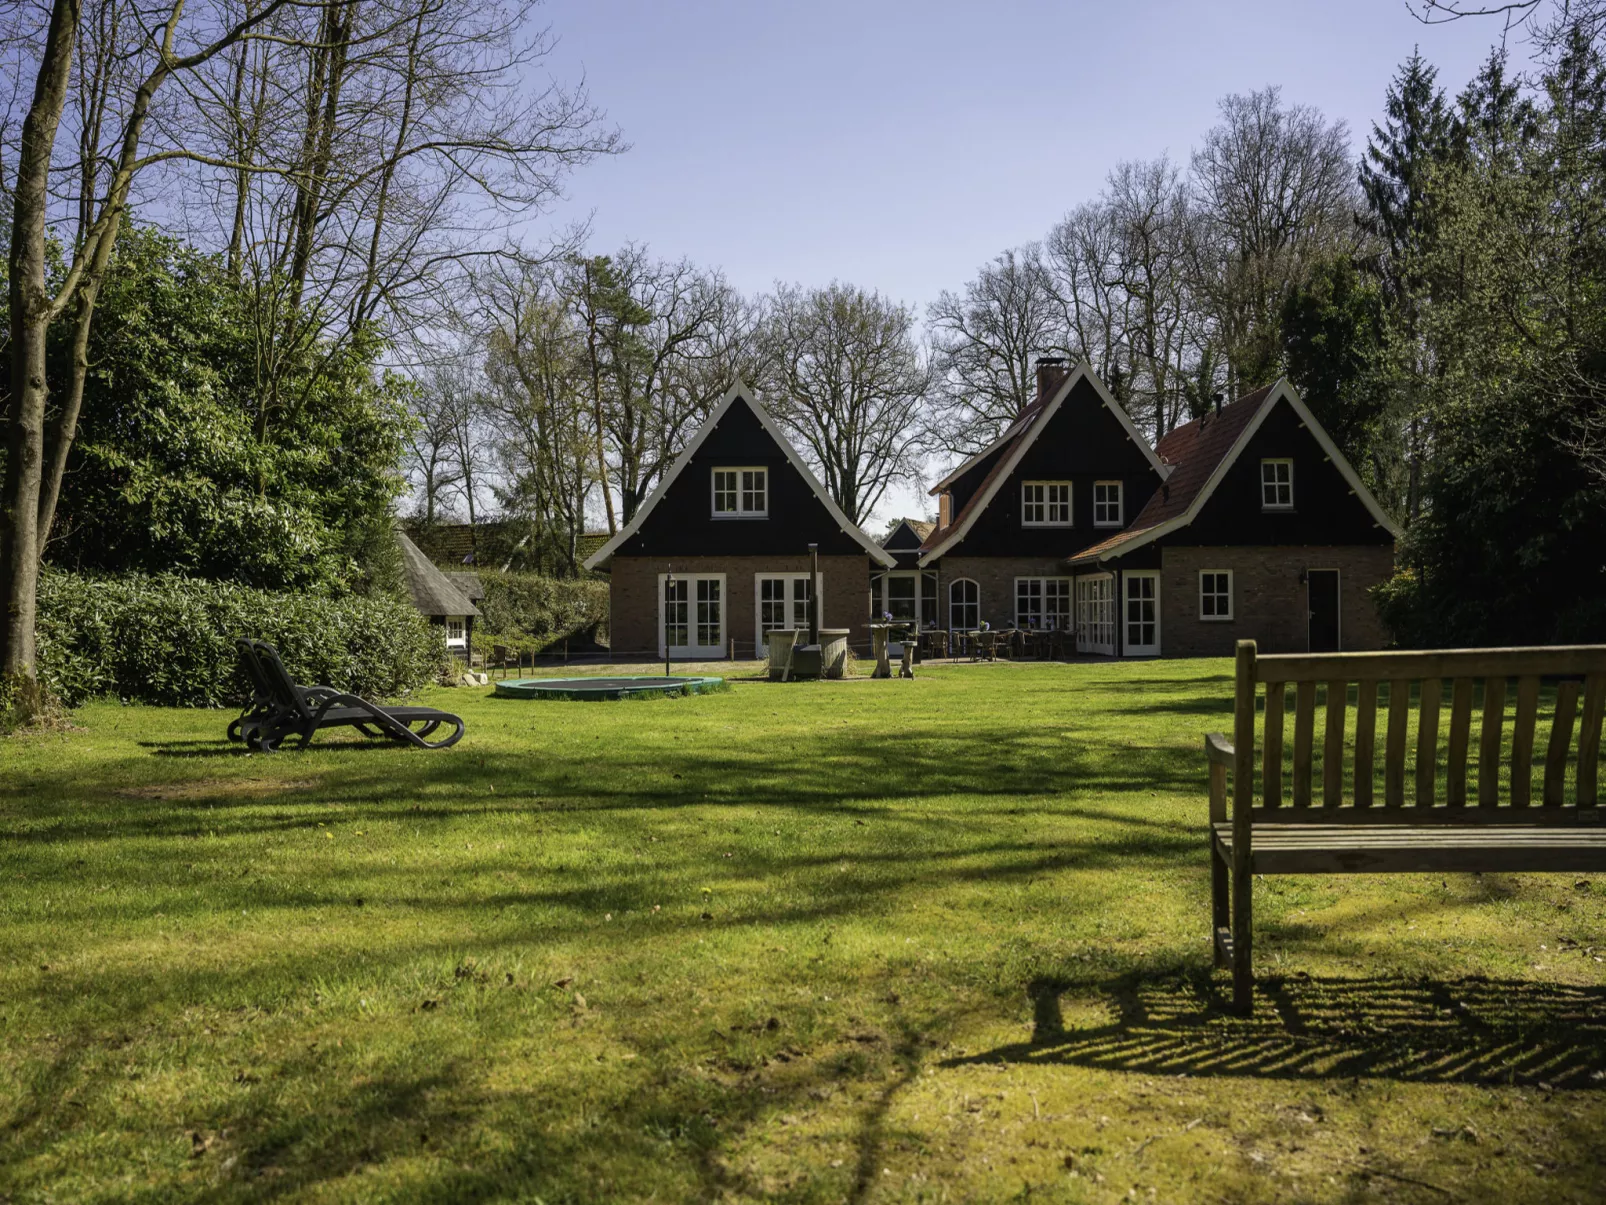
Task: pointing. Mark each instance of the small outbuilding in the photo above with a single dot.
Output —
(438, 598)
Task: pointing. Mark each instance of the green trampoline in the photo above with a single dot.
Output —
(604, 688)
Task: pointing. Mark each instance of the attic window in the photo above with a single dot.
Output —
(741, 493)
(1045, 504)
(1107, 507)
(1276, 485)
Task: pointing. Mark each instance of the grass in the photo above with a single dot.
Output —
(931, 940)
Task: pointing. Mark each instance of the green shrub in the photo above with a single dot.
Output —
(170, 640)
(529, 612)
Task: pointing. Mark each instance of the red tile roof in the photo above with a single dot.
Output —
(1195, 448)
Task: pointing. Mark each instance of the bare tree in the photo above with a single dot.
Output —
(984, 342)
(1275, 191)
(847, 378)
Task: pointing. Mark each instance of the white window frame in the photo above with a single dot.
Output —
(962, 581)
(1120, 504)
(1046, 504)
(695, 652)
(456, 631)
(1067, 616)
(743, 491)
(1096, 613)
(1231, 610)
(1276, 486)
(1127, 647)
(799, 607)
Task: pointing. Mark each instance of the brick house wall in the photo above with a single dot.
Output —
(1269, 603)
(633, 596)
(995, 578)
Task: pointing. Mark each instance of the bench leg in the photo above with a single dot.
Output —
(1220, 913)
(1243, 979)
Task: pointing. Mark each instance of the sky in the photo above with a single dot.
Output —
(899, 146)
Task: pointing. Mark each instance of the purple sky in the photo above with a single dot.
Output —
(900, 145)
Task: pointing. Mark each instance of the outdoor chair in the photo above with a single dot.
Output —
(281, 708)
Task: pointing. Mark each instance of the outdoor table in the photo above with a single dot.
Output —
(881, 650)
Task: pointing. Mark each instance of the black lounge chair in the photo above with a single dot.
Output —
(282, 709)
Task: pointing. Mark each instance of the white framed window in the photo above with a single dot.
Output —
(691, 615)
(964, 605)
(1109, 504)
(1043, 603)
(741, 493)
(782, 601)
(1045, 504)
(1095, 614)
(1142, 614)
(1215, 594)
(1276, 485)
(456, 632)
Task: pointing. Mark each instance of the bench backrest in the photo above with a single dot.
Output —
(280, 683)
(1431, 700)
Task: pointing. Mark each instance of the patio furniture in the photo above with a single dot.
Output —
(1345, 832)
(288, 709)
(934, 643)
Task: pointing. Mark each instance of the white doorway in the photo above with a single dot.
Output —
(1142, 614)
(691, 616)
(1095, 614)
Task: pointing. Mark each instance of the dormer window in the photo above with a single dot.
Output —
(741, 493)
(1045, 504)
(1108, 505)
(1276, 485)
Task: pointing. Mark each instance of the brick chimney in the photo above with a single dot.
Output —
(1051, 373)
(945, 504)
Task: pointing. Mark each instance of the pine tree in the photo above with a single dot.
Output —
(1400, 155)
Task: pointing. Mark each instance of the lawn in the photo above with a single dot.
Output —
(931, 940)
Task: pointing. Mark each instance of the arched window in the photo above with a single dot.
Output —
(964, 605)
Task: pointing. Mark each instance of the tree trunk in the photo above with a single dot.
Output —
(30, 324)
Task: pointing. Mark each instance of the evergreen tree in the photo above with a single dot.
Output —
(1400, 155)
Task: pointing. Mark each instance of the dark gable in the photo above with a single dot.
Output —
(1325, 512)
(682, 524)
(1082, 443)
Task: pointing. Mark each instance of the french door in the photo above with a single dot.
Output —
(1142, 614)
(782, 601)
(1095, 614)
(691, 616)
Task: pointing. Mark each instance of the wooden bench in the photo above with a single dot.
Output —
(1339, 823)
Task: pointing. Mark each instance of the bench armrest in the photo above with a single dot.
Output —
(1219, 749)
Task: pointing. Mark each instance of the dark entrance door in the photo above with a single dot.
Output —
(1321, 588)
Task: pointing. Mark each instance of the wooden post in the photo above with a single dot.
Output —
(1243, 785)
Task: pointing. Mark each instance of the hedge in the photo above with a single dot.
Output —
(526, 609)
(169, 640)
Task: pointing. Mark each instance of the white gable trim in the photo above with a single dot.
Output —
(1281, 391)
(739, 390)
(1080, 372)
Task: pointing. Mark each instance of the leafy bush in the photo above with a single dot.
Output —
(528, 610)
(170, 640)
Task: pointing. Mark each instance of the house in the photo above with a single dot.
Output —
(438, 599)
(1247, 522)
(718, 554)
(1261, 530)
(905, 592)
(1071, 468)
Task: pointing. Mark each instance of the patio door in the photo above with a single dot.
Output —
(782, 600)
(1142, 614)
(691, 616)
(1095, 614)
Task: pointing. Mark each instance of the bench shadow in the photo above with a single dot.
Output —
(1471, 1030)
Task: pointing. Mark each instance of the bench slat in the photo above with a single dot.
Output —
(1561, 738)
(1454, 663)
(1427, 740)
(1503, 818)
(1455, 769)
(1271, 765)
(1333, 745)
(1522, 741)
(1304, 730)
(1489, 736)
(1394, 755)
(1589, 740)
(1365, 731)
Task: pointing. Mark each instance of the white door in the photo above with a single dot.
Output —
(1095, 614)
(782, 601)
(1142, 614)
(691, 616)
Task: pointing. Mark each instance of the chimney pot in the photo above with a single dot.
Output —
(1051, 371)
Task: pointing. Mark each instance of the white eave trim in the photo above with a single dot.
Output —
(1081, 371)
(739, 390)
(1283, 391)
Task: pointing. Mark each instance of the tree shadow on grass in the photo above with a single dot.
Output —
(1471, 1030)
